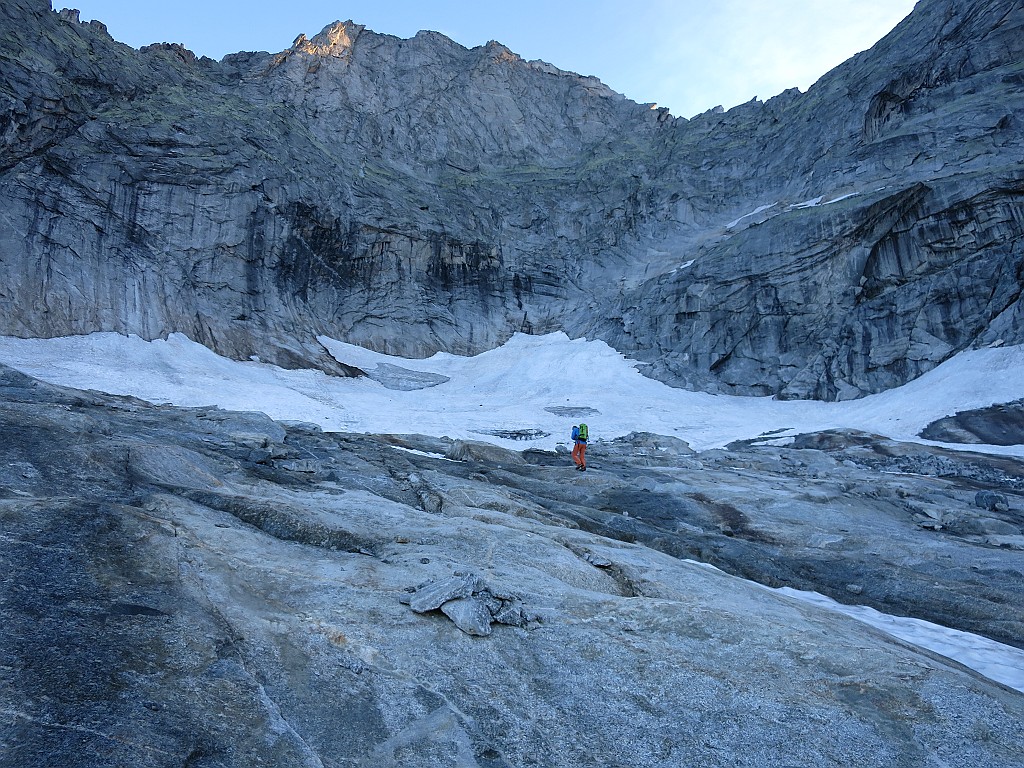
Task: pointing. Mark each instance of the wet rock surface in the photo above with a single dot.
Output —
(178, 590)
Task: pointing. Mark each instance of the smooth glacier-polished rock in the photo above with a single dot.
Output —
(171, 596)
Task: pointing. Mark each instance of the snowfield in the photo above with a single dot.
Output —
(520, 386)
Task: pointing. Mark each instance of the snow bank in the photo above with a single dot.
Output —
(510, 388)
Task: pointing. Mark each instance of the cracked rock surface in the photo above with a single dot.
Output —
(178, 589)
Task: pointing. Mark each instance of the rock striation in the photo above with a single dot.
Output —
(206, 588)
(415, 195)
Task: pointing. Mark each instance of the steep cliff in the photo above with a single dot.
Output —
(415, 195)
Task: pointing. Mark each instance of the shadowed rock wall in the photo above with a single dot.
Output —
(414, 195)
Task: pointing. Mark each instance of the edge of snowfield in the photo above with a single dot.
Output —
(534, 386)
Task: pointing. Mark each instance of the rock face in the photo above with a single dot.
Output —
(204, 588)
(413, 195)
(1001, 424)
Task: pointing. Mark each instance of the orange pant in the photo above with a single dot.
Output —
(579, 454)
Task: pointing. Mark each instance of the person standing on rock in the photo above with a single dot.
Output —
(580, 435)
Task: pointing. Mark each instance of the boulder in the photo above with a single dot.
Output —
(994, 502)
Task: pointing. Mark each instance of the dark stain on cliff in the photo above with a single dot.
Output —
(454, 266)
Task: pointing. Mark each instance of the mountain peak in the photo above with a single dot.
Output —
(336, 39)
(500, 52)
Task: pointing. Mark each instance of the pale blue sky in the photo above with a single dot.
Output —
(687, 55)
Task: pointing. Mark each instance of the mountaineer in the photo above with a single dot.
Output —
(580, 435)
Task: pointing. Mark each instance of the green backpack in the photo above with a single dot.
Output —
(583, 432)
